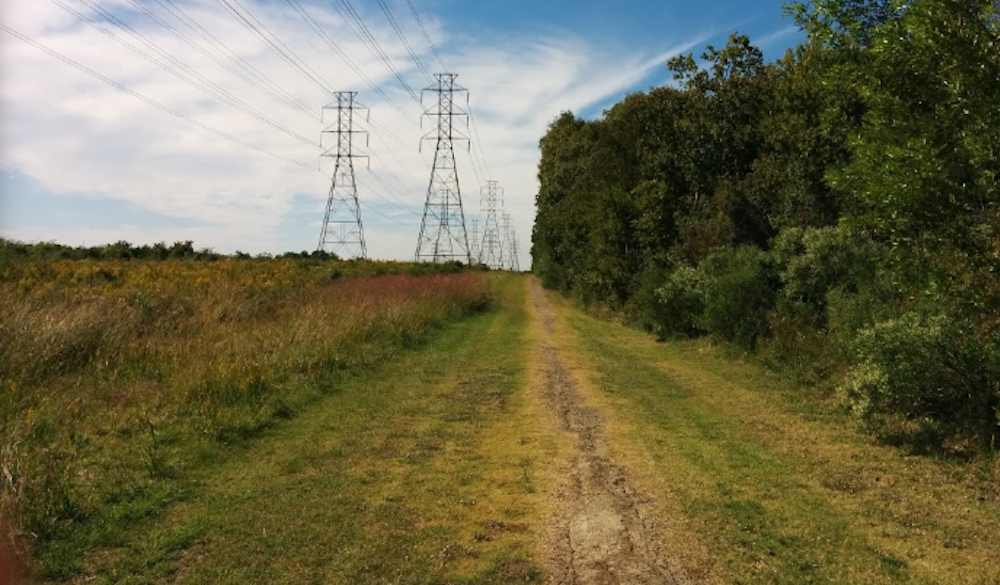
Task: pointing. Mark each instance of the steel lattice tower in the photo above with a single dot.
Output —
(342, 232)
(515, 245)
(442, 230)
(491, 250)
(507, 245)
(475, 248)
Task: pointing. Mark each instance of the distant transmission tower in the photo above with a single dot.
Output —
(515, 245)
(442, 229)
(508, 241)
(342, 232)
(475, 243)
(491, 251)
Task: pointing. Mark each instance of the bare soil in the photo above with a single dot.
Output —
(605, 532)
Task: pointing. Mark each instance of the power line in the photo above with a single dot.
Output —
(290, 57)
(282, 51)
(347, 11)
(437, 54)
(181, 16)
(402, 37)
(220, 133)
(475, 134)
(191, 77)
(148, 100)
(311, 22)
(420, 23)
(266, 86)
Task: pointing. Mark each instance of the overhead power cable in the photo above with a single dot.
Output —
(475, 134)
(180, 115)
(266, 86)
(148, 100)
(395, 192)
(290, 57)
(357, 24)
(477, 144)
(177, 68)
(402, 37)
(184, 18)
(276, 45)
(423, 29)
(311, 22)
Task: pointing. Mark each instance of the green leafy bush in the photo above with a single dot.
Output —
(739, 290)
(926, 375)
(814, 261)
(681, 303)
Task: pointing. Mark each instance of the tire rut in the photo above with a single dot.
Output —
(604, 533)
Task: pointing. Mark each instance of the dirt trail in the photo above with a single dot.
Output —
(605, 533)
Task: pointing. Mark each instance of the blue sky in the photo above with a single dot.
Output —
(84, 163)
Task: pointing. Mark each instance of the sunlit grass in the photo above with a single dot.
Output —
(776, 492)
(112, 373)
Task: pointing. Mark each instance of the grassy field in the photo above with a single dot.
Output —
(774, 485)
(120, 379)
(359, 429)
(420, 470)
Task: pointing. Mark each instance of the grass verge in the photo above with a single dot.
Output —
(112, 395)
(421, 470)
(779, 493)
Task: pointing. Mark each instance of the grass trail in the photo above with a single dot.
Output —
(772, 492)
(442, 465)
(422, 471)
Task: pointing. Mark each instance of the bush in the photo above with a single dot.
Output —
(643, 307)
(681, 303)
(814, 261)
(739, 289)
(926, 375)
(799, 345)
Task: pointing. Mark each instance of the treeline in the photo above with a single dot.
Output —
(123, 250)
(835, 212)
(48, 263)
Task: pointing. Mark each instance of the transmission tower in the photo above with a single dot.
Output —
(342, 232)
(475, 243)
(507, 246)
(442, 229)
(491, 251)
(515, 245)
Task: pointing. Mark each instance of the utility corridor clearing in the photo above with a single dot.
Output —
(536, 444)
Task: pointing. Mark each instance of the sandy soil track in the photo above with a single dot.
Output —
(605, 533)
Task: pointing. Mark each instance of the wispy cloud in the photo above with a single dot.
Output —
(777, 35)
(75, 134)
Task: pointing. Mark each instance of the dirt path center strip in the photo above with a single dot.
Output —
(605, 533)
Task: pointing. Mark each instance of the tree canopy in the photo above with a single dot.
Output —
(831, 195)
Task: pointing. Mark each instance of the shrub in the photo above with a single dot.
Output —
(643, 307)
(739, 290)
(680, 303)
(812, 262)
(928, 375)
(799, 345)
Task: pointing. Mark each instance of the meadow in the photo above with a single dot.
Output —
(120, 378)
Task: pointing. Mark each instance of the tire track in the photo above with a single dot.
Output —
(605, 533)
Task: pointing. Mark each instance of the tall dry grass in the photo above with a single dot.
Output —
(111, 371)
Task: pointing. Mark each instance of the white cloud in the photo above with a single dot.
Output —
(779, 34)
(73, 133)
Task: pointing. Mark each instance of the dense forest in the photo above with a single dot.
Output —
(835, 212)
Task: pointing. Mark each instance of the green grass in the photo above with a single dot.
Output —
(112, 399)
(415, 471)
(779, 495)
